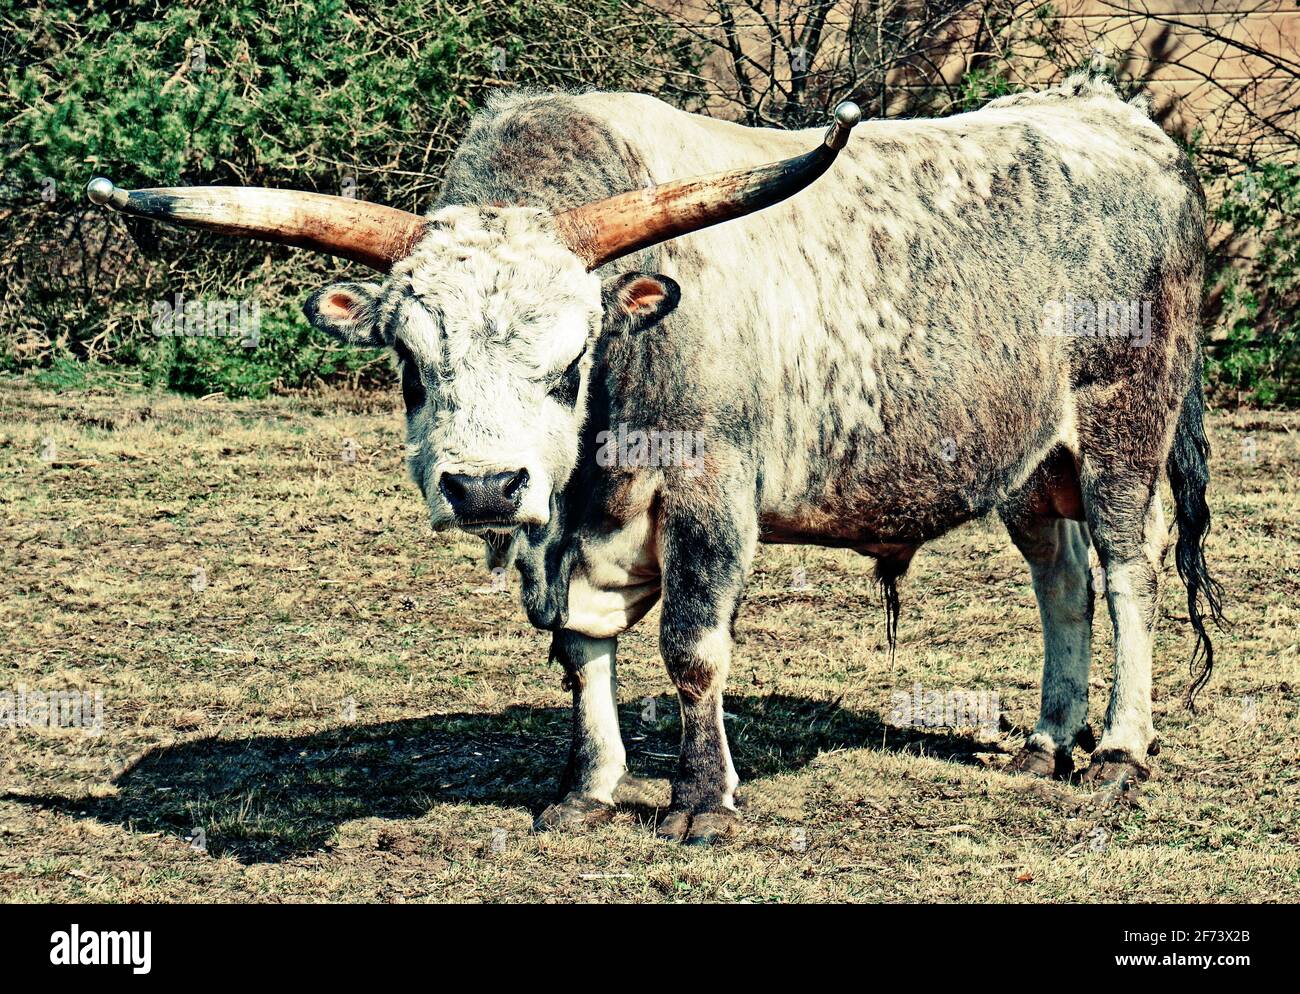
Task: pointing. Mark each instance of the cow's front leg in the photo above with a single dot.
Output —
(705, 558)
(597, 759)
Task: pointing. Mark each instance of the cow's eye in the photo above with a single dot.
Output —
(565, 387)
(412, 385)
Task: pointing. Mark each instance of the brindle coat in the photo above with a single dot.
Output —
(870, 366)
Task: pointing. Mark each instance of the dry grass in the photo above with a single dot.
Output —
(348, 712)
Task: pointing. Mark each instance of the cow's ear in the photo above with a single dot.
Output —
(636, 301)
(349, 312)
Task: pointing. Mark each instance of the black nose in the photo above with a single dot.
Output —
(484, 499)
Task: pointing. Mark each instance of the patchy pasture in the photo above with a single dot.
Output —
(307, 696)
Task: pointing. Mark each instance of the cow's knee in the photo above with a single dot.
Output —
(698, 667)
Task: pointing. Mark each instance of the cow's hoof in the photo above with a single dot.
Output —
(1114, 768)
(1040, 762)
(700, 828)
(573, 813)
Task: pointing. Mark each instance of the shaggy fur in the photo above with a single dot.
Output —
(870, 364)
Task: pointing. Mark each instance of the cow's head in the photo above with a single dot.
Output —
(493, 320)
(492, 311)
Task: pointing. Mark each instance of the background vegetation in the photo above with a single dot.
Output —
(369, 98)
(356, 97)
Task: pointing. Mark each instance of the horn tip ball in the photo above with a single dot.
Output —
(848, 114)
(100, 190)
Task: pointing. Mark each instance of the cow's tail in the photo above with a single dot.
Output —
(1189, 474)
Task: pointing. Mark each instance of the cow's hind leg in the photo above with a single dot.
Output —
(1128, 528)
(597, 759)
(706, 553)
(1057, 552)
(1127, 422)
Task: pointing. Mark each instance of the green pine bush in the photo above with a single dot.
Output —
(325, 95)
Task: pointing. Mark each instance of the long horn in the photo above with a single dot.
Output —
(607, 229)
(371, 234)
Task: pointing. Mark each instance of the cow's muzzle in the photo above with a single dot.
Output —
(485, 502)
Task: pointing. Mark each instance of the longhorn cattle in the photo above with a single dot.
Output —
(991, 312)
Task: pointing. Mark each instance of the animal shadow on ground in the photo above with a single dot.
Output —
(270, 798)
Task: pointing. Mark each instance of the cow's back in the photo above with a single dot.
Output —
(882, 338)
(875, 344)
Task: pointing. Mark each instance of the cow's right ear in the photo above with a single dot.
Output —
(636, 301)
(349, 312)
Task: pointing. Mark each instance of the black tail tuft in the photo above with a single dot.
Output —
(1189, 474)
(888, 572)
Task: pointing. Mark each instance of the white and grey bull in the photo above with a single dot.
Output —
(866, 365)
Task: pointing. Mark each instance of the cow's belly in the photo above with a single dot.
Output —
(1051, 489)
(901, 498)
(869, 525)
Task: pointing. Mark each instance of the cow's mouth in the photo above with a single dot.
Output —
(488, 527)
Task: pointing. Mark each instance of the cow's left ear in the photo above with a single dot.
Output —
(349, 312)
(636, 301)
